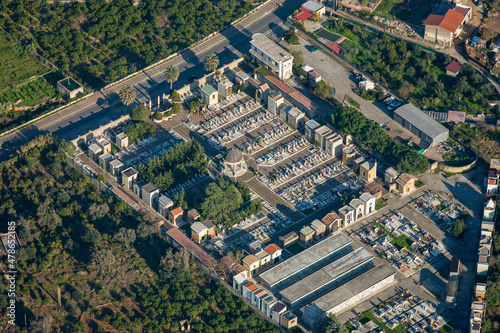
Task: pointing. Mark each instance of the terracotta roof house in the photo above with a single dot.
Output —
(453, 68)
(442, 29)
(275, 252)
(332, 221)
(335, 48)
(304, 15)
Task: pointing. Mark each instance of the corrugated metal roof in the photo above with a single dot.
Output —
(420, 120)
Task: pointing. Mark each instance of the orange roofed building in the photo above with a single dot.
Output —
(442, 29)
(275, 252)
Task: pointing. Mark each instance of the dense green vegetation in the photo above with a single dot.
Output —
(176, 166)
(140, 113)
(347, 120)
(102, 41)
(223, 203)
(98, 251)
(415, 74)
(30, 94)
(16, 63)
(139, 131)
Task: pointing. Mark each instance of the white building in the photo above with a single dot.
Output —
(165, 204)
(275, 102)
(150, 194)
(333, 145)
(296, 118)
(273, 56)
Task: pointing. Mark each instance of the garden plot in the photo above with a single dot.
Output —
(283, 152)
(216, 119)
(241, 127)
(403, 243)
(295, 169)
(437, 209)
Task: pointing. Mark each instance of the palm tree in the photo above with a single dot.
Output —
(217, 74)
(127, 95)
(210, 62)
(171, 74)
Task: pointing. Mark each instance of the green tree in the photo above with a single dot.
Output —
(180, 199)
(323, 90)
(331, 324)
(127, 95)
(91, 236)
(211, 62)
(291, 37)
(458, 228)
(100, 177)
(171, 74)
(140, 113)
(298, 58)
(175, 96)
(125, 236)
(103, 262)
(176, 108)
(158, 116)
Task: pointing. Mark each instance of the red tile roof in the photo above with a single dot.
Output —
(452, 20)
(306, 102)
(272, 248)
(303, 15)
(314, 74)
(335, 48)
(250, 286)
(282, 85)
(330, 217)
(453, 67)
(176, 211)
(191, 247)
(433, 19)
(462, 10)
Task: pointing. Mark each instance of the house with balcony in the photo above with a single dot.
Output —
(271, 55)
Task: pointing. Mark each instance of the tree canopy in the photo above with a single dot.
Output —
(347, 120)
(140, 113)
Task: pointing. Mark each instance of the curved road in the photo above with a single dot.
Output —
(86, 115)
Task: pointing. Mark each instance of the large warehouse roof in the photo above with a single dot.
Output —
(327, 275)
(420, 120)
(346, 291)
(305, 259)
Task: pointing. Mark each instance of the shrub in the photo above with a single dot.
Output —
(158, 116)
(139, 113)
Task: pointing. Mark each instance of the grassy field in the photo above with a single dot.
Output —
(16, 65)
(380, 203)
(403, 241)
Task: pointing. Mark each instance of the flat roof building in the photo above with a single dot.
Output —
(427, 129)
(348, 294)
(327, 278)
(302, 264)
(272, 55)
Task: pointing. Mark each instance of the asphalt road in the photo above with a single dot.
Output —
(88, 115)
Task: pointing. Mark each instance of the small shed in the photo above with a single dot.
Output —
(453, 68)
(367, 85)
(210, 95)
(69, 87)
